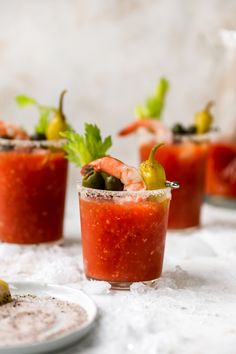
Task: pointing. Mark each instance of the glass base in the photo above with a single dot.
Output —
(123, 285)
(184, 231)
(50, 243)
(221, 201)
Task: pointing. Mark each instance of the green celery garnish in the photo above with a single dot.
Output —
(44, 112)
(154, 105)
(83, 149)
(24, 101)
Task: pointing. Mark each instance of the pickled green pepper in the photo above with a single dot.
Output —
(152, 171)
(204, 119)
(58, 122)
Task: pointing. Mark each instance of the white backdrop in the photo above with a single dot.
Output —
(109, 55)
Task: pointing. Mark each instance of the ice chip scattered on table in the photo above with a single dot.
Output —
(52, 264)
(171, 280)
(139, 288)
(96, 287)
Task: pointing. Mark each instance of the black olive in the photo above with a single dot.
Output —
(112, 183)
(6, 137)
(192, 129)
(38, 137)
(94, 180)
(179, 129)
(6, 147)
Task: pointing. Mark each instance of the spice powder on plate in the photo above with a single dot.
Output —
(29, 319)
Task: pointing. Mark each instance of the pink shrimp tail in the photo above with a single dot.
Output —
(12, 131)
(86, 169)
(128, 175)
(107, 164)
(135, 125)
(154, 126)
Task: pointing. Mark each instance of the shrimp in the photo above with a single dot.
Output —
(12, 131)
(128, 175)
(154, 126)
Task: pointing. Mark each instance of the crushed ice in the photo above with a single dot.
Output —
(171, 280)
(95, 287)
(53, 264)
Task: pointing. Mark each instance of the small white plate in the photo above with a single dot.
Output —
(61, 293)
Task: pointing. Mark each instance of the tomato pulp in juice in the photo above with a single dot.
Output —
(32, 196)
(123, 241)
(221, 170)
(183, 162)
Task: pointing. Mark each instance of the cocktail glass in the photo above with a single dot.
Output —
(221, 164)
(184, 161)
(221, 174)
(33, 178)
(123, 234)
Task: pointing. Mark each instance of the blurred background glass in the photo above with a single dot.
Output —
(221, 164)
(226, 92)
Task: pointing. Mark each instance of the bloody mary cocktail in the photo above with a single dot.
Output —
(123, 234)
(32, 191)
(221, 174)
(183, 156)
(184, 161)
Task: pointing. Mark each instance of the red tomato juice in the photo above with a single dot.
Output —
(123, 241)
(221, 170)
(183, 162)
(32, 196)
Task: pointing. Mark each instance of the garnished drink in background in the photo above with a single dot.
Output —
(221, 174)
(184, 162)
(221, 164)
(33, 174)
(183, 156)
(123, 211)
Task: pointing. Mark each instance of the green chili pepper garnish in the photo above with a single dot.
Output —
(112, 183)
(58, 123)
(204, 119)
(152, 171)
(94, 180)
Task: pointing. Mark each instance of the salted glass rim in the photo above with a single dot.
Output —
(32, 143)
(106, 193)
(210, 136)
(192, 138)
(196, 138)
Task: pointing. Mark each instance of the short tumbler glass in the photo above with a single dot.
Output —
(184, 161)
(33, 178)
(123, 234)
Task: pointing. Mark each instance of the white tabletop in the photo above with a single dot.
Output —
(192, 311)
